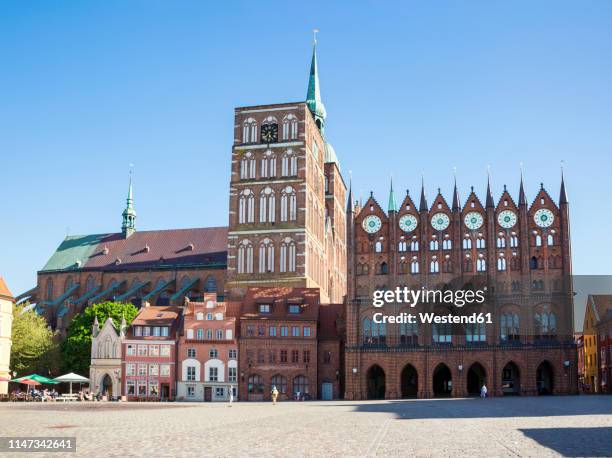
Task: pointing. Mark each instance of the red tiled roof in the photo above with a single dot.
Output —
(158, 316)
(279, 297)
(4, 291)
(156, 248)
(602, 303)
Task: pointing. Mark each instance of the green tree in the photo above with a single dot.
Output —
(76, 347)
(35, 347)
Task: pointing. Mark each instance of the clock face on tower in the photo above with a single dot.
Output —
(269, 133)
(544, 217)
(440, 221)
(371, 224)
(408, 223)
(506, 219)
(473, 220)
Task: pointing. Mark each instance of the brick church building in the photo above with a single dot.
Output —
(297, 266)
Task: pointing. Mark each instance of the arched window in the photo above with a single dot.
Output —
(480, 242)
(433, 245)
(287, 255)
(249, 131)
(447, 244)
(467, 243)
(501, 264)
(49, 289)
(509, 327)
(280, 383)
(245, 257)
(290, 127)
(434, 266)
(90, 284)
(246, 207)
(513, 241)
(402, 246)
(545, 325)
(210, 286)
(378, 246)
(414, 245)
(374, 333)
(268, 165)
(267, 205)
(481, 265)
(533, 262)
(501, 242)
(248, 166)
(475, 332)
(550, 241)
(300, 385)
(442, 333)
(414, 267)
(288, 204)
(409, 334)
(255, 384)
(219, 334)
(209, 334)
(289, 164)
(200, 334)
(266, 256)
(68, 284)
(538, 240)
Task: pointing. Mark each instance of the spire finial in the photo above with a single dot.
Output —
(392, 206)
(349, 200)
(490, 203)
(455, 191)
(128, 227)
(313, 95)
(423, 203)
(562, 193)
(314, 36)
(522, 198)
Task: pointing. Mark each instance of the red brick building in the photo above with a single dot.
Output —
(207, 352)
(278, 343)
(519, 251)
(149, 354)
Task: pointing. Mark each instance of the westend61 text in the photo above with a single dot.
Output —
(412, 297)
(428, 318)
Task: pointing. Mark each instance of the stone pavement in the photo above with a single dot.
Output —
(538, 426)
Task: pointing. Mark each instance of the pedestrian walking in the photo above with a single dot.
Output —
(274, 394)
(483, 391)
(231, 396)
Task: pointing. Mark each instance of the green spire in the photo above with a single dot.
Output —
(129, 214)
(313, 97)
(392, 207)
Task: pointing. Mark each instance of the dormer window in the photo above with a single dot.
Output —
(293, 308)
(264, 308)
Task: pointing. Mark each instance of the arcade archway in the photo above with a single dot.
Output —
(442, 381)
(409, 382)
(376, 382)
(476, 378)
(511, 380)
(544, 378)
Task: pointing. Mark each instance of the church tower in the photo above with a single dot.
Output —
(128, 227)
(287, 222)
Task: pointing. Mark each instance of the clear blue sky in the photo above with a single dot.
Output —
(86, 88)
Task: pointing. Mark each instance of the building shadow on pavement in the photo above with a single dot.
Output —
(502, 407)
(574, 441)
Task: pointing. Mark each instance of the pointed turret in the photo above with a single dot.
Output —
(455, 197)
(392, 206)
(349, 200)
(489, 203)
(562, 193)
(313, 97)
(129, 214)
(423, 204)
(123, 327)
(95, 329)
(522, 198)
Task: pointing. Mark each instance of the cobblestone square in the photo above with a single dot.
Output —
(539, 426)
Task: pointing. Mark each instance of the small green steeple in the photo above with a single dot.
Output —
(313, 97)
(392, 207)
(129, 214)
